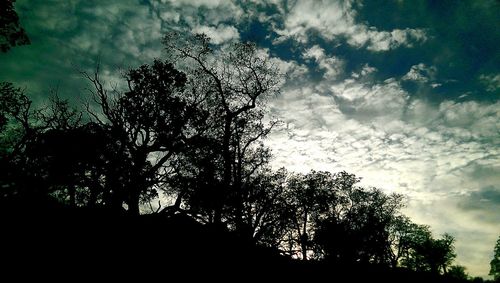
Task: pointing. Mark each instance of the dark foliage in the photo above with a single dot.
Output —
(11, 32)
(495, 262)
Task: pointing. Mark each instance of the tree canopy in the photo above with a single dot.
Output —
(11, 32)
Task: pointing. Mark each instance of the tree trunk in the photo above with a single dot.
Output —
(133, 201)
(72, 196)
(303, 246)
(239, 196)
(304, 237)
(226, 180)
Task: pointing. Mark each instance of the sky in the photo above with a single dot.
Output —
(403, 93)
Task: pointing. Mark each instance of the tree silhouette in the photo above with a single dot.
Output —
(17, 129)
(266, 213)
(359, 230)
(331, 218)
(309, 196)
(11, 32)
(16, 117)
(495, 262)
(427, 253)
(39, 159)
(400, 233)
(458, 272)
(149, 120)
(236, 82)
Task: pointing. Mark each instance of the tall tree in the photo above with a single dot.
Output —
(236, 80)
(399, 240)
(495, 262)
(266, 212)
(310, 196)
(149, 122)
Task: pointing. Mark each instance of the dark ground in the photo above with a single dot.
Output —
(91, 245)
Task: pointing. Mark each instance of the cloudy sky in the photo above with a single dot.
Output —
(403, 93)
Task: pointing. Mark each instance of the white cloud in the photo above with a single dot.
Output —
(45, 19)
(365, 71)
(170, 16)
(332, 66)
(481, 120)
(337, 18)
(420, 73)
(368, 102)
(295, 71)
(492, 81)
(215, 12)
(198, 3)
(383, 40)
(220, 34)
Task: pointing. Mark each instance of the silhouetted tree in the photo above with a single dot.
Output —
(36, 156)
(11, 32)
(16, 117)
(495, 262)
(266, 212)
(17, 129)
(427, 253)
(149, 123)
(458, 272)
(443, 254)
(309, 196)
(359, 230)
(416, 236)
(72, 164)
(400, 238)
(49, 154)
(236, 81)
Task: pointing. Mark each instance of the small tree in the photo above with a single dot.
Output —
(427, 253)
(495, 262)
(16, 120)
(16, 130)
(458, 272)
(359, 230)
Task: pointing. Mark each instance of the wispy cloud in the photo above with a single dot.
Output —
(335, 20)
(331, 65)
(491, 82)
(220, 34)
